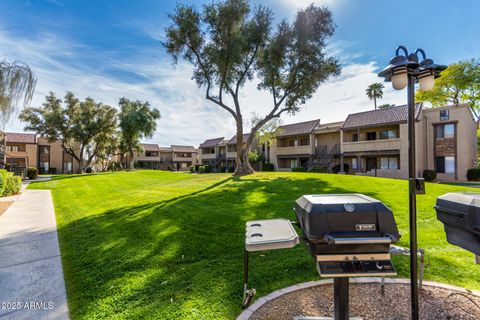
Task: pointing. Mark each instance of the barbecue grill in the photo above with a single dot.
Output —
(460, 214)
(348, 235)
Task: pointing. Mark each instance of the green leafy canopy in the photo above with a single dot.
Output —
(229, 43)
(459, 83)
(83, 127)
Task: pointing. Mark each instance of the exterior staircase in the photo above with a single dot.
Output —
(323, 156)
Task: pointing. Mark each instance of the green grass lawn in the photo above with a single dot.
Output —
(162, 245)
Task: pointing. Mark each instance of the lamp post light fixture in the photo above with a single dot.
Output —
(403, 71)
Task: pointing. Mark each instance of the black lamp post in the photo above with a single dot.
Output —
(403, 71)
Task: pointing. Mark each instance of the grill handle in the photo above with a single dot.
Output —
(372, 240)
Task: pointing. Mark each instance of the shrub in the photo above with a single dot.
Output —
(52, 171)
(223, 169)
(336, 168)
(473, 174)
(318, 169)
(201, 169)
(13, 184)
(32, 173)
(3, 180)
(89, 170)
(267, 167)
(429, 175)
(298, 169)
(208, 169)
(231, 169)
(192, 169)
(197, 166)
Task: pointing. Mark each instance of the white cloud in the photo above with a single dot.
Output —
(187, 118)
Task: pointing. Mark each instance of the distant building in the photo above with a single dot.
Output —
(23, 150)
(175, 157)
(221, 154)
(372, 143)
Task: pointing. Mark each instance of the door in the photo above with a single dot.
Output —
(371, 163)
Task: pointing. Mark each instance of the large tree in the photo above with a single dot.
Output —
(137, 120)
(17, 84)
(80, 126)
(229, 44)
(459, 83)
(374, 92)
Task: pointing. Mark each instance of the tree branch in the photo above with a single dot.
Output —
(247, 67)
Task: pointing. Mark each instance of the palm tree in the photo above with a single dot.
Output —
(17, 84)
(374, 91)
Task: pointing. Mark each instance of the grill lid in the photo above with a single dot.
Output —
(460, 213)
(323, 215)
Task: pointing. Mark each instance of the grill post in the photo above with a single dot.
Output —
(340, 298)
(412, 197)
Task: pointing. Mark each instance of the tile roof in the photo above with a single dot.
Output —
(211, 142)
(20, 137)
(149, 146)
(183, 148)
(397, 114)
(234, 138)
(298, 128)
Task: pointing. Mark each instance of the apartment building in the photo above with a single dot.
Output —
(375, 143)
(306, 144)
(184, 157)
(221, 153)
(23, 150)
(175, 157)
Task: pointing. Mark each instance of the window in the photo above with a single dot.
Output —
(44, 159)
(354, 137)
(67, 163)
(389, 163)
(388, 134)
(354, 163)
(183, 165)
(304, 141)
(449, 164)
(449, 130)
(291, 143)
(371, 136)
(293, 163)
(445, 164)
(445, 131)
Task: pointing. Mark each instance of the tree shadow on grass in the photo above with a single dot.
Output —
(182, 258)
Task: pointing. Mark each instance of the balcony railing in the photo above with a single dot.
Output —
(208, 156)
(371, 145)
(281, 151)
(147, 158)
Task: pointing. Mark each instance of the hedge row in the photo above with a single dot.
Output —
(429, 175)
(473, 174)
(32, 173)
(9, 184)
(201, 169)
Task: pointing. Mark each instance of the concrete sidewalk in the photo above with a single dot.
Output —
(31, 274)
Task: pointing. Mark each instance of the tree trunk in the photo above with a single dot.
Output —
(242, 165)
(80, 165)
(130, 161)
(375, 102)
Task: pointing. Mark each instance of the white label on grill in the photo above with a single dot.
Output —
(365, 227)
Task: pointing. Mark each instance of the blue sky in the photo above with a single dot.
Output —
(110, 49)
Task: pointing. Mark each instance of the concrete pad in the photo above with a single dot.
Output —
(31, 275)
